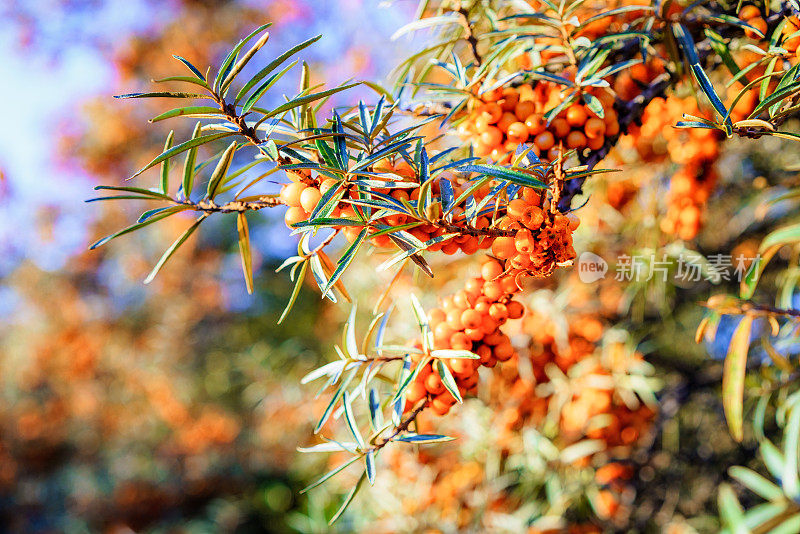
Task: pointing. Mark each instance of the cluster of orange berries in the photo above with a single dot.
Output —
(695, 149)
(303, 194)
(469, 320)
(752, 16)
(501, 119)
(541, 239)
(629, 82)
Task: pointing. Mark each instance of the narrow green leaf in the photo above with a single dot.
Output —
(295, 291)
(733, 376)
(187, 111)
(165, 164)
(222, 167)
(183, 147)
(244, 250)
(348, 499)
(273, 65)
(188, 165)
(329, 474)
(369, 464)
(264, 87)
(448, 380)
(172, 248)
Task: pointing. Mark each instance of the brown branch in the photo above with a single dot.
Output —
(469, 36)
(402, 427)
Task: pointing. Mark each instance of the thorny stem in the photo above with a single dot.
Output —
(402, 427)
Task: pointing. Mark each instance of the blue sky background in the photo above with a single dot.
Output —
(54, 55)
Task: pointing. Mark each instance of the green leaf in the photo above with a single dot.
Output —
(264, 87)
(244, 250)
(183, 147)
(172, 248)
(222, 167)
(188, 111)
(731, 511)
(350, 343)
(369, 464)
(150, 220)
(162, 94)
(687, 45)
(299, 101)
(348, 499)
(351, 420)
(423, 438)
(273, 65)
(295, 291)
(239, 65)
(448, 380)
(227, 64)
(165, 164)
(787, 526)
(733, 376)
(756, 483)
(344, 261)
(512, 175)
(191, 67)
(329, 474)
(789, 479)
(188, 165)
(137, 190)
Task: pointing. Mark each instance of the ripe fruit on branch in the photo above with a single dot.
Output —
(499, 121)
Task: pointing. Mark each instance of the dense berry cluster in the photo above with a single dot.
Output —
(501, 119)
(695, 150)
(469, 320)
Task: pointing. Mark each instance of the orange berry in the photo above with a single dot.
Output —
(327, 184)
(294, 215)
(436, 316)
(471, 318)
(510, 99)
(504, 351)
(545, 141)
(491, 270)
(460, 341)
(434, 385)
(454, 319)
(535, 124)
(515, 309)
(491, 113)
(560, 127)
(493, 290)
(290, 194)
(749, 12)
(309, 198)
(503, 247)
(506, 120)
(759, 24)
(498, 312)
(416, 392)
(596, 143)
(524, 109)
(517, 132)
(523, 241)
(461, 367)
(516, 208)
(439, 408)
(595, 128)
(576, 115)
(492, 136)
(576, 139)
(443, 331)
